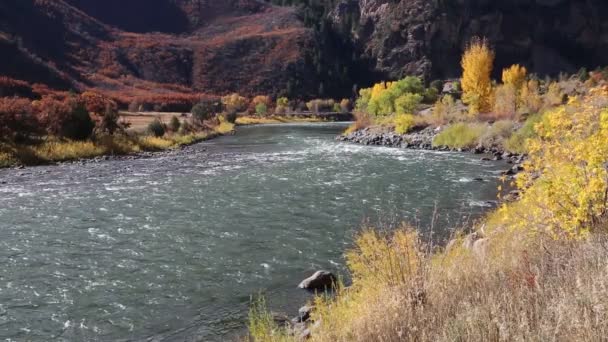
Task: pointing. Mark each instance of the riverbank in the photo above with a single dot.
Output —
(52, 151)
(135, 144)
(515, 274)
(423, 140)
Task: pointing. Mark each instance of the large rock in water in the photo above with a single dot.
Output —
(321, 280)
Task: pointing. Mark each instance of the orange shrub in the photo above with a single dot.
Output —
(16, 118)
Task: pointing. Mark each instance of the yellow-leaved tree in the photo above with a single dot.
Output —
(515, 76)
(565, 181)
(477, 63)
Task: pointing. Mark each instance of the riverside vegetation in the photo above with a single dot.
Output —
(533, 269)
(59, 126)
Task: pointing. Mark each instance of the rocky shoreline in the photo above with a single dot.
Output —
(423, 140)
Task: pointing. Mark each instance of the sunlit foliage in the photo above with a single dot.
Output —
(477, 63)
(569, 156)
(514, 76)
(404, 123)
(235, 103)
(460, 135)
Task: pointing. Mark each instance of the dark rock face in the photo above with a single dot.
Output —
(427, 37)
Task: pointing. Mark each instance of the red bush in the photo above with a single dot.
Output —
(96, 103)
(16, 118)
(52, 113)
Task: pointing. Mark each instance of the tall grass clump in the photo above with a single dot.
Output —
(67, 150)
(517, 143)
(497, 134)
(460, 135)
(224, 127)
(261, 324)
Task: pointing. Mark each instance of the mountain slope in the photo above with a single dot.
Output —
(244, 46)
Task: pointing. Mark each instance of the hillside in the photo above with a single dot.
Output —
(181, 48)
(169, 53)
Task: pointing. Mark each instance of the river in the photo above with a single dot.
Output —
(171, 247)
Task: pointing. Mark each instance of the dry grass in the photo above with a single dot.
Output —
(506, 288)
(56, 150)
(224, 127)
(152, 143)
(362, 121)
(535, 290)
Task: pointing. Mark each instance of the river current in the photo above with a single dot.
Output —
(170, 248)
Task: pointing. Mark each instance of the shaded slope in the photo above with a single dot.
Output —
(245, 46)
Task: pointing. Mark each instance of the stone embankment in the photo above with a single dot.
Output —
(423, 140)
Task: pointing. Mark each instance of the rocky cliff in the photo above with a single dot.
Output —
(141, 48)
(427, 37)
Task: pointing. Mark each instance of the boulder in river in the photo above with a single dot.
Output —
(321, 280)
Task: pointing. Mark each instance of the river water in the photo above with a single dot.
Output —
(171, 247)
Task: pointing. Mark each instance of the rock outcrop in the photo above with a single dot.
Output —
(427, 37)
(319, 281)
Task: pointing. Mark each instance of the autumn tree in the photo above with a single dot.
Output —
(282, 105)
(515, 76)
(258, 102)
(67, 118)
(96, 103)
(234, 103)
(477, 63)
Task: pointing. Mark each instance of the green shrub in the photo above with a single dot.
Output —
(438, 85)
(282, 105)
(407, 103)
(80, 126)
(362, 102)
(204, 111)
(404, 123)
(517, 143)
(460, 135)
(381, 99)
(283, 102)
(174, 124)
(156, 128)
(109, 122)
(261, 109)
(431, 95)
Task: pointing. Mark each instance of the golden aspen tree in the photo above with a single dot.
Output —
(477, 63)
(514, 75)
